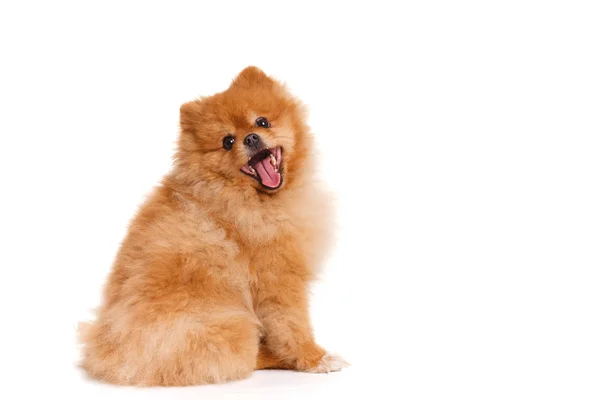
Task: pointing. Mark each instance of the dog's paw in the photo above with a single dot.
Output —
(329, 363)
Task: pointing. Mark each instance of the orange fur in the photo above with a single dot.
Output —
(211, 281)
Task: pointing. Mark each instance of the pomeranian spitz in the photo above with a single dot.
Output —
(211, 281)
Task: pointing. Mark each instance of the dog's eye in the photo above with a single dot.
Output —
(228, 142)
(262, 122)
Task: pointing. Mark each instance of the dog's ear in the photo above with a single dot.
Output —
(189, 113)
(253, 76)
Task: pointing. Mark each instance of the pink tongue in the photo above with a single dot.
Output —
(267, 173)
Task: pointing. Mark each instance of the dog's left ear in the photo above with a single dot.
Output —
(252, 76)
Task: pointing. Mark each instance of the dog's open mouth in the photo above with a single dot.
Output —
(265, 167)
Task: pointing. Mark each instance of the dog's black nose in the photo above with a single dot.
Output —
(252, 140)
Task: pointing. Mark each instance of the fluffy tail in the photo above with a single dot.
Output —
(83, 332)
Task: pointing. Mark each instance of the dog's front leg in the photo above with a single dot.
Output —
(282, 307)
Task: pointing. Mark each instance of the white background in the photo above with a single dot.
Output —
(462, 140)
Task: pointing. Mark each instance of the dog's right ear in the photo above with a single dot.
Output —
(189, 113)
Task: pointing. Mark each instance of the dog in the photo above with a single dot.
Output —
(211, 281)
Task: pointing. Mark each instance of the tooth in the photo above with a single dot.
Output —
(273, 160)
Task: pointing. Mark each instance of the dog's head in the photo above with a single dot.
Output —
(252, 134)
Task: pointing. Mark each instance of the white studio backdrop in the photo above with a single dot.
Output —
(461, 139)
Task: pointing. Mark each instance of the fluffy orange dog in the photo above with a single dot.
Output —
(211, 281)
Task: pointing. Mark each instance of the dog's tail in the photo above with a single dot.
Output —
(84, 328)
(83, 331)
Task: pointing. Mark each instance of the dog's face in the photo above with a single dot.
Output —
(251, 134)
